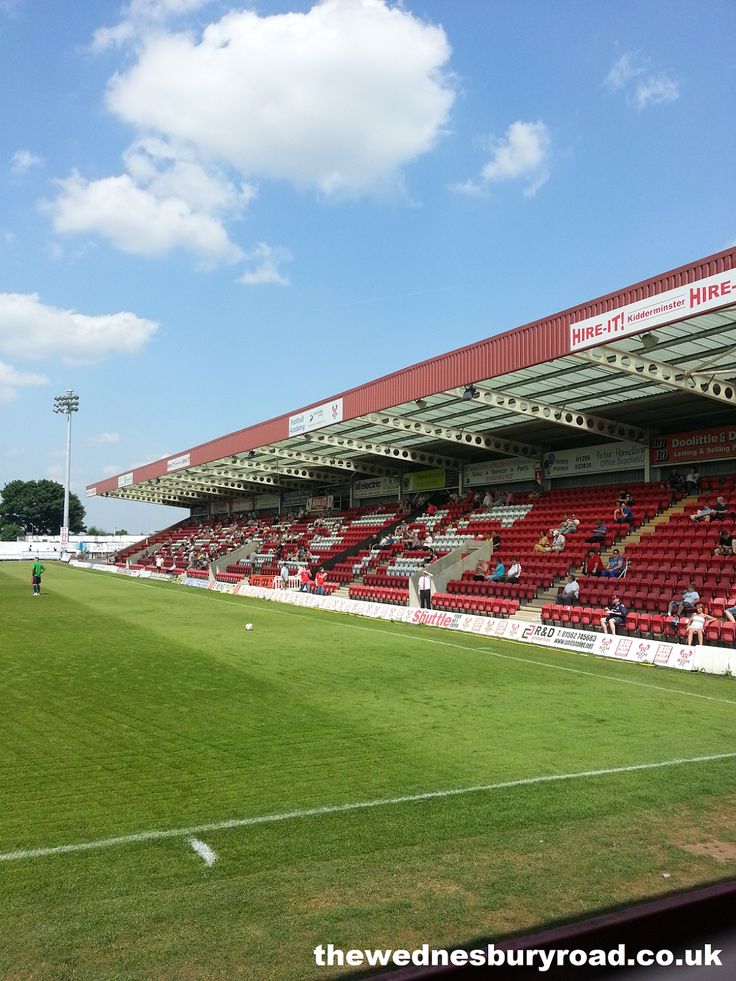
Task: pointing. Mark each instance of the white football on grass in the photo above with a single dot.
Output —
(249, 626)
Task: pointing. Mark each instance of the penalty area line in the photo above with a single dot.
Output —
(307, 812)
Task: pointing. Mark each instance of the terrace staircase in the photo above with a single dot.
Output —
(531, 610)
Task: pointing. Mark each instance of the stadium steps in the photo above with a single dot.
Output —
(647, 528)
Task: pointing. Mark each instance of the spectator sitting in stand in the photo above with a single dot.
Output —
(705, 514)
(431, 509)
(488, 499)
(598, 535)
(536, 491)
(514, 573)
(687, 602)
(692, 481)
(498, 573)
(558, 541)
(730, 613)
(481, 571)
(625, 515)
(543, 543)
(615, 566)
(614, 615)
(720, 510)
(428, 542)
(592, 565)
(568, 526)
(569, 594)
(695, 624)
(726, 544)
(429, 557)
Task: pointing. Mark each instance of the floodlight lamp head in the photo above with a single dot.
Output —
(470, 393)
(649, 341)
(251, 454)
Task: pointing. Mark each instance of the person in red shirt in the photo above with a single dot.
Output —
(592, 565)
(304, 580)
(431, 510)
(319, 582)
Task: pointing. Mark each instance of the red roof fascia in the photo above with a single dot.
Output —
(522, 347)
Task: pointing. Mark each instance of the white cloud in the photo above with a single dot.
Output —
(32, 329)
(267, 259)
(104, 439)
(339, 98)
(521, 155)
(655, 90)
(632, 74)
(623, 71)
(172, 173)
(136, 221)
(22, 161)
(8, 237)
(11, 380)
(140, 16)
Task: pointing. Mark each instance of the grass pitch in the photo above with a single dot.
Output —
(129, 706)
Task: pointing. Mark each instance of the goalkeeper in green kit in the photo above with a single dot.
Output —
(37, 570)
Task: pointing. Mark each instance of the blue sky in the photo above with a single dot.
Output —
(211, 214)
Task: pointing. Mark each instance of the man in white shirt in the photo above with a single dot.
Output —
(558, 541)
(570, 594)
(514, 573)
(425, 590)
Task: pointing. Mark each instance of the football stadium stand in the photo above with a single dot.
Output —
(613, 423)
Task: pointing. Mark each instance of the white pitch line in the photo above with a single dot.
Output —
(161, 835)
(208, 856)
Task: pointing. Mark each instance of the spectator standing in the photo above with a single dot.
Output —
(304, 580)
(284, 575)
(692, 481)
(319, 581)
(425, 590)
